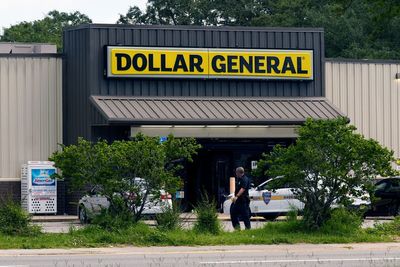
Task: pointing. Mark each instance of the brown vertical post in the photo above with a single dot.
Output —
(232, 185)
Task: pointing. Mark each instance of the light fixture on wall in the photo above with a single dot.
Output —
(397, 76)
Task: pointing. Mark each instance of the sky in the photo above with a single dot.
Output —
(100, 11)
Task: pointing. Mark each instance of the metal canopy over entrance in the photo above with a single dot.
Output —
(213, 117)
(207, 111)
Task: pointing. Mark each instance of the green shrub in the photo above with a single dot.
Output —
(342, 222)
(290, 226)
(207, 217)
(390, 228)
(16, 221)
(138, 233)
(112, 221)
(170, 218)
(291, 216)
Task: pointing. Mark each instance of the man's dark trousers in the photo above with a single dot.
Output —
(240, 209)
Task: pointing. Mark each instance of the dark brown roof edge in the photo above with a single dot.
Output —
(194, 27)
(213, 98)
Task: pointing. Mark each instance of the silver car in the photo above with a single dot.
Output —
(91, 204)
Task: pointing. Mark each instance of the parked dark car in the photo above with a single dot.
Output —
(387, 198)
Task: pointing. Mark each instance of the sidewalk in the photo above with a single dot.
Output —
(62, 224)
(55, 218)
(188, 216)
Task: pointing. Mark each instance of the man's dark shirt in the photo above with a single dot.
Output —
(244, 183)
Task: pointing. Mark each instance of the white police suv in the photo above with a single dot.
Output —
(269, 203)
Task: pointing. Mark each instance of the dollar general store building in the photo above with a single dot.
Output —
(238, 90)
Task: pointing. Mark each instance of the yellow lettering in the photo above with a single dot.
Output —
(209, 63)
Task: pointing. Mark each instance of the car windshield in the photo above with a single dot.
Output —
(380, 186)
(269, 184)
(394, 186)
(265, 186)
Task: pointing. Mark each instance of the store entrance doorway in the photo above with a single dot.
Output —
(208, 175)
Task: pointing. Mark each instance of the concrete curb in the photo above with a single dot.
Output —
(55, 218)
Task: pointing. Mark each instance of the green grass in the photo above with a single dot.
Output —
(143, 235)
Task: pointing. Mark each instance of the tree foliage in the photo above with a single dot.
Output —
(46, 30)
(329, 164)
(353, 29)
(364, 29)
(114, 168)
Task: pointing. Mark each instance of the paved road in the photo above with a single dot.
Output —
(387, 254)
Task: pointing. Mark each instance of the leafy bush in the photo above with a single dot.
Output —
(170, 218)
(114, 168)
(291, 216)
(16, 221)
(329, 163)
(207, 217)
(391, 228)
(342, 222)
(138, 233)
(113, 221)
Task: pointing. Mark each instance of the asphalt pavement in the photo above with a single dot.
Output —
(382, 254)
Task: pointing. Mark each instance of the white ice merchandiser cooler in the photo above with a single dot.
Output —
(38, 187)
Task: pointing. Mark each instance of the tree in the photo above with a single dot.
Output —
(195, 12)
(114, 168)
(47, 30)
(329, 164)
(171, 12)
(353, 29)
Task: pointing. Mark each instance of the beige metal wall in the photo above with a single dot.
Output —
(30, 110)
(370, 95)
(31, 105)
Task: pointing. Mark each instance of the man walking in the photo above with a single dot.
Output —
(241, 200)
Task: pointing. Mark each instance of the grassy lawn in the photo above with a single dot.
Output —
(143, 235)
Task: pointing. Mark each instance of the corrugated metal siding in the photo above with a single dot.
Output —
(370, 95)
(30, 110)
(84, 66)
(207, 110)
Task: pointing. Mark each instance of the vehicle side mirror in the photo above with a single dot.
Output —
(252, 185)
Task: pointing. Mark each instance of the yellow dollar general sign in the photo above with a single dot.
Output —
(209, 63)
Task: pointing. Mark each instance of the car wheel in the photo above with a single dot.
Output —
(83, 215)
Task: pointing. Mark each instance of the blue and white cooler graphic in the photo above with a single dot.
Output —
(39, 195)
(43, 177)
